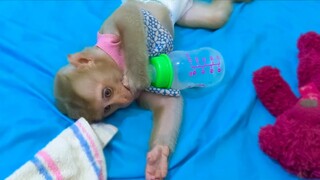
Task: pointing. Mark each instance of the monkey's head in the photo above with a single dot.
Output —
(90, 86)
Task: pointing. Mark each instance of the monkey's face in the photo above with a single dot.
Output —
(103, 91)
(93, 93)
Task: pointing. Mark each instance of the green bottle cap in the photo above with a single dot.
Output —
(164, 71)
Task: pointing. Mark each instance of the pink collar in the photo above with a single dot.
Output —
(110, 44)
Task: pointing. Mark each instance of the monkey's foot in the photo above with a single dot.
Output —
(239, 1)
(157, 163)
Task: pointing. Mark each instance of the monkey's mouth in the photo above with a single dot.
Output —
(127, 87)
(132, 93)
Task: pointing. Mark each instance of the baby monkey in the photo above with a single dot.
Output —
(110, 75)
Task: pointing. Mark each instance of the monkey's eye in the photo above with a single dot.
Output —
(107, 109)
(107, 92)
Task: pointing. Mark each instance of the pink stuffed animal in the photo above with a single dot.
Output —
(294, 139)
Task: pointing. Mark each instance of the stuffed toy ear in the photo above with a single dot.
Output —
(80, 60)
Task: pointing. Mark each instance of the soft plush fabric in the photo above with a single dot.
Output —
(219, 134)
(294, 139)
(76, 153)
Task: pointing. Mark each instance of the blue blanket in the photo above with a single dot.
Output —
(218, 137)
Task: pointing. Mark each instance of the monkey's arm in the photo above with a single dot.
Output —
(167, 119)
(129, 24)
(167, 112)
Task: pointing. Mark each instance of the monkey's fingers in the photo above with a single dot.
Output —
(157, 163)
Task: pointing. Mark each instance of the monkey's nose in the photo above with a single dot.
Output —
(125, 100)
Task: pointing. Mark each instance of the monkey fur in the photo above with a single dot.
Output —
(93, 86)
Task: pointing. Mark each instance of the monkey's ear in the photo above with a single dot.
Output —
(79, 60)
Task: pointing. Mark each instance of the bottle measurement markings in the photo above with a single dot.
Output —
(211, 64)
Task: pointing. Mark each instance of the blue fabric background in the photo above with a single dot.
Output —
(218, 138)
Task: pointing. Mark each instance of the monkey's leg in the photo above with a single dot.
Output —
(205, 15)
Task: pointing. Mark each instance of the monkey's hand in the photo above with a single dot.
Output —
(135, 82)
(157, 162)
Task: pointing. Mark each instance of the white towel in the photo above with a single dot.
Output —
(76, 153)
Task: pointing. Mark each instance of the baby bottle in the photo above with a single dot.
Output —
(202, 67)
